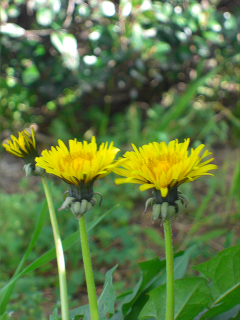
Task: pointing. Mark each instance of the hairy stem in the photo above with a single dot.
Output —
(169, 270)
(92, 296)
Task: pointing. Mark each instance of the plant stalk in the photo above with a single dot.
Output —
(169, 270)
(59, 253)
(92, 296)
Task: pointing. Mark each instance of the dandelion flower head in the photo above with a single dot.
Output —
(23, 147)
(162, 166)
(81, 162)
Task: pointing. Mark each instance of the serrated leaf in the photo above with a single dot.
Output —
(192, 295)
(82, 311)
(54, 315)
(105, 301)
(107, 297)
(224, 272)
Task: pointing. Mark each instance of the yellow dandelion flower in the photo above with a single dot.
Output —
(163, 167)
(23, 147)
(82, 162)
(79, 166)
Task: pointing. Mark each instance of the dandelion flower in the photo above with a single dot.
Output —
(23, 147)
(79, 166)
(164, 167)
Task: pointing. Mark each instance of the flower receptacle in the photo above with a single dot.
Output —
(80, 199)
(165, 208)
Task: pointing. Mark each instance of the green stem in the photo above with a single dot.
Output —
(92, 296)
(170, 270)
(59, 253)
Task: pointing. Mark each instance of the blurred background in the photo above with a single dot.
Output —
(129, 72)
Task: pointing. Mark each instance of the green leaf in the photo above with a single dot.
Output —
(44, 16)
(12, 29)
(107, 297)
(224, 272)
(210, 235)
(82, 311)
(153, 274)
(54, 315)
(181, 261)
(105, 301)
(149, 270)
(192, 295)
(231, 314)
(66, 44)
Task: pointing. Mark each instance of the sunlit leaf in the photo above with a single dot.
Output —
(44, 16)
(66, 44)
(107, 8)
(12, 29)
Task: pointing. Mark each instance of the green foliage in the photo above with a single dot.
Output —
(54, 315)
(106, 301)
(114, 240)
(53, 57)
(191, 297)
(132, 72)
(225, 277)
(5, 296)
